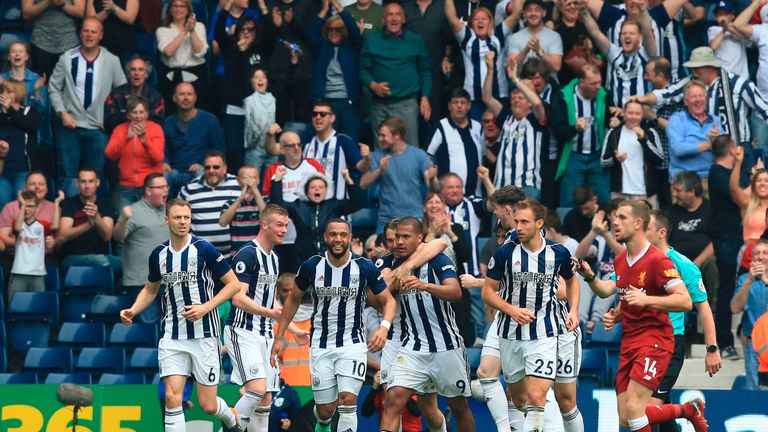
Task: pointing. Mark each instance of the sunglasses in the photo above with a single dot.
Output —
(322, 114)
(335, 29)
(212, 167)
(291, 145)
(248, 29)
(488, 121)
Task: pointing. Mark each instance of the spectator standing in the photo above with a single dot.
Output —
(54, 30)
(401, 170)
(491, 139)
(86, 224)
(182, 44)
(241, 214)
(137, 145)
(207, 195)
(336, 78)
(751, 297)
(141, 226)
(367, 15)
(79, 85)
(138, 71)
(729, 45)
(752, 200)
(536, 40)
(189, 135)
(259, 120)
(118, 17)
(35, 182)
(18, 130)
(726, 238)
(394, 64)
(28, 272)
(566, 21)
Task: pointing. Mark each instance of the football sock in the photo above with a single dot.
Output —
(534, 420)
(497, 402)
(174, 420)
(224, 414)
(573, 421)
(664, 413)
(246, 406)
(516, 416)
(639, 424)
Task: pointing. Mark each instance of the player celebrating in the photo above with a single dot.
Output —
(189, 345)
(338, 354)
(530, 320)
(248, 334)
(649, 286)
(432, 358)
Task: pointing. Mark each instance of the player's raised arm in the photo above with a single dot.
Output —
(424, 253)
(603, 288)
(143, 300)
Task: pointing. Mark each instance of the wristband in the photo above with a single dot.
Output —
(386, 324)
(590, 279)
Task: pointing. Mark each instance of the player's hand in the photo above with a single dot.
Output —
(483, 173)
(384, 163)
(490, 59)
(378, 339)
(126, 316)
(195, 312)
(610, 319)
(469, 281)
(301, 336)
(412, 282)
(277, 310)
(521, 316)
(68, 121)
(756, 270)
(402, 273)
(572, 320)
(195, 168)
(636, 297)
(583, 268)
(277, 350)
(127, 212)
(712, 363)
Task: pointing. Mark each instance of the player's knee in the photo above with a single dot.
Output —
(488, 369)
(347, 398)
(208, 406)
(256, 385)
(325, 411)
(566, 405)
(536, 397)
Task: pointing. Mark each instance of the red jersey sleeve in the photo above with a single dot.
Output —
(665, 272)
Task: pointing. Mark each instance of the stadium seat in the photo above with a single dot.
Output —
(2, 302)
(594, 365)
(75, 378)
(52, 279)
(75, 307)
(48, 360)
(740, 383)
(109, 378)
(364, 220)
(18, 378)
(3, 360)
(143, 361)
(562, 211)
(610, 340)
(2, 333)
(106, 308)
(133, 336)
(25, 335)
(34, 306)
(81, 335)
(89, 280)
(101, 360)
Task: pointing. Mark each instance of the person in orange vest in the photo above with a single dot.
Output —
(294, 359)
(760, 344)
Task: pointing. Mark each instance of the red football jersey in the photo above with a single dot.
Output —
(653, 272)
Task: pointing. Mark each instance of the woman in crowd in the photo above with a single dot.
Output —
(336, 77)
(437, 224)
(752, 200)
(138, 147)
(182, 45)
(118, 17)
(259, 121)
(18, 129)
(53, 30)
(567, 23)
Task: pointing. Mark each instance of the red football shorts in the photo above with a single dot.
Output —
(645, 364)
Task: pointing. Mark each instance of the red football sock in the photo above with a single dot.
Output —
(663, 413)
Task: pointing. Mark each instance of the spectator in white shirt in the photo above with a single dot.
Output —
(729, 45)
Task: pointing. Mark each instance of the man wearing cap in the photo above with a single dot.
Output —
(729, 45)
(758, 34)
(536, 39)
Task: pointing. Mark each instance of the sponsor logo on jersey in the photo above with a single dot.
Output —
(671, 273)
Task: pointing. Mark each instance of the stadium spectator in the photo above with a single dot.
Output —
(752, 200)
(335, 151)
(402, 171)
(141, 226)
(394, 64)
(632, 151)
(28, 272)
(137, 145)
(690, 134)
(587, 112)
(79, 85)
(86, 225)
(207, 195)
(523, 129)
(492, 140)
(241, 214)
(118, 18)
(726, 238)
(189, 134)
(729, 45)
(578, 221)
(438, 224)
(536, 40)
(566, 21)
(138, 70)
(758, 35)
(336, 78)
(751, 297)
(314, 209)
(374, 402)
(35, 182)
(367, 15)
(182, 44)
(260, 123)
(18, 130)
(53, 30)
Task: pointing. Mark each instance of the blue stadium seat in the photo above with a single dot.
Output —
(34, 306)
(101, 360)
(106, 308)
(89, 280)
(740, 383)
(10, 15)
(18, 378)
(25, 335)
(562, 211)
(81, 335)
(48, 360)
(2, 302)
(3, 360)
(594, 365)
(8, 37)
(109, 378)
(2, 333)
(144, 361)
(75, 378)
(610, 340)
(134, 336)
(75, 307)
(52, 279)
(364, 219)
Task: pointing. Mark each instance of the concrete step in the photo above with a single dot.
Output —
(693, 376)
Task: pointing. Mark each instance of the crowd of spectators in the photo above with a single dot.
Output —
(414, 108)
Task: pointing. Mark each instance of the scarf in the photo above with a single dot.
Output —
(259, 116)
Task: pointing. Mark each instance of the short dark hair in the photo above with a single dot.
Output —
(508, 195)
(662, 219)
(534, 66)
(411, 222)
(640, 209)
(29, 196)
(449, 175)
(582, 195)
(176, 202)
(721, 144)
(588, 68)
(272, 209)
(134, 101)
(552, 221)
(87, 169)
(538, 209)
(147, 64)
(215, 153)
(458, 92)
(148, 179)
(35, 172)
(690, 181)
(395, 125)
(339, 221)
(662, 66)
(322, 103)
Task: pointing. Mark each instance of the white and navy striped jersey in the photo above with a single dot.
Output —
(335, 154)
(259, 269)
(459, 151)
(189, 276)
(473, 52)
(339, 295)
(625, 74)
(530, 280)
(585, 142)
(86, 75)
(469, 213)
(429, 323)
(396, 332)
(744, 94)
(206, 203)
(519, 161)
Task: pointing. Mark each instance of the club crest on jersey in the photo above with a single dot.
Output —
(193, 262)
(550, 268)
(315, 381)
(354, 280)
(321, 278)
(641, 278)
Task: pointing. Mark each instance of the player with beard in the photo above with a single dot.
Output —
(338, 353)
